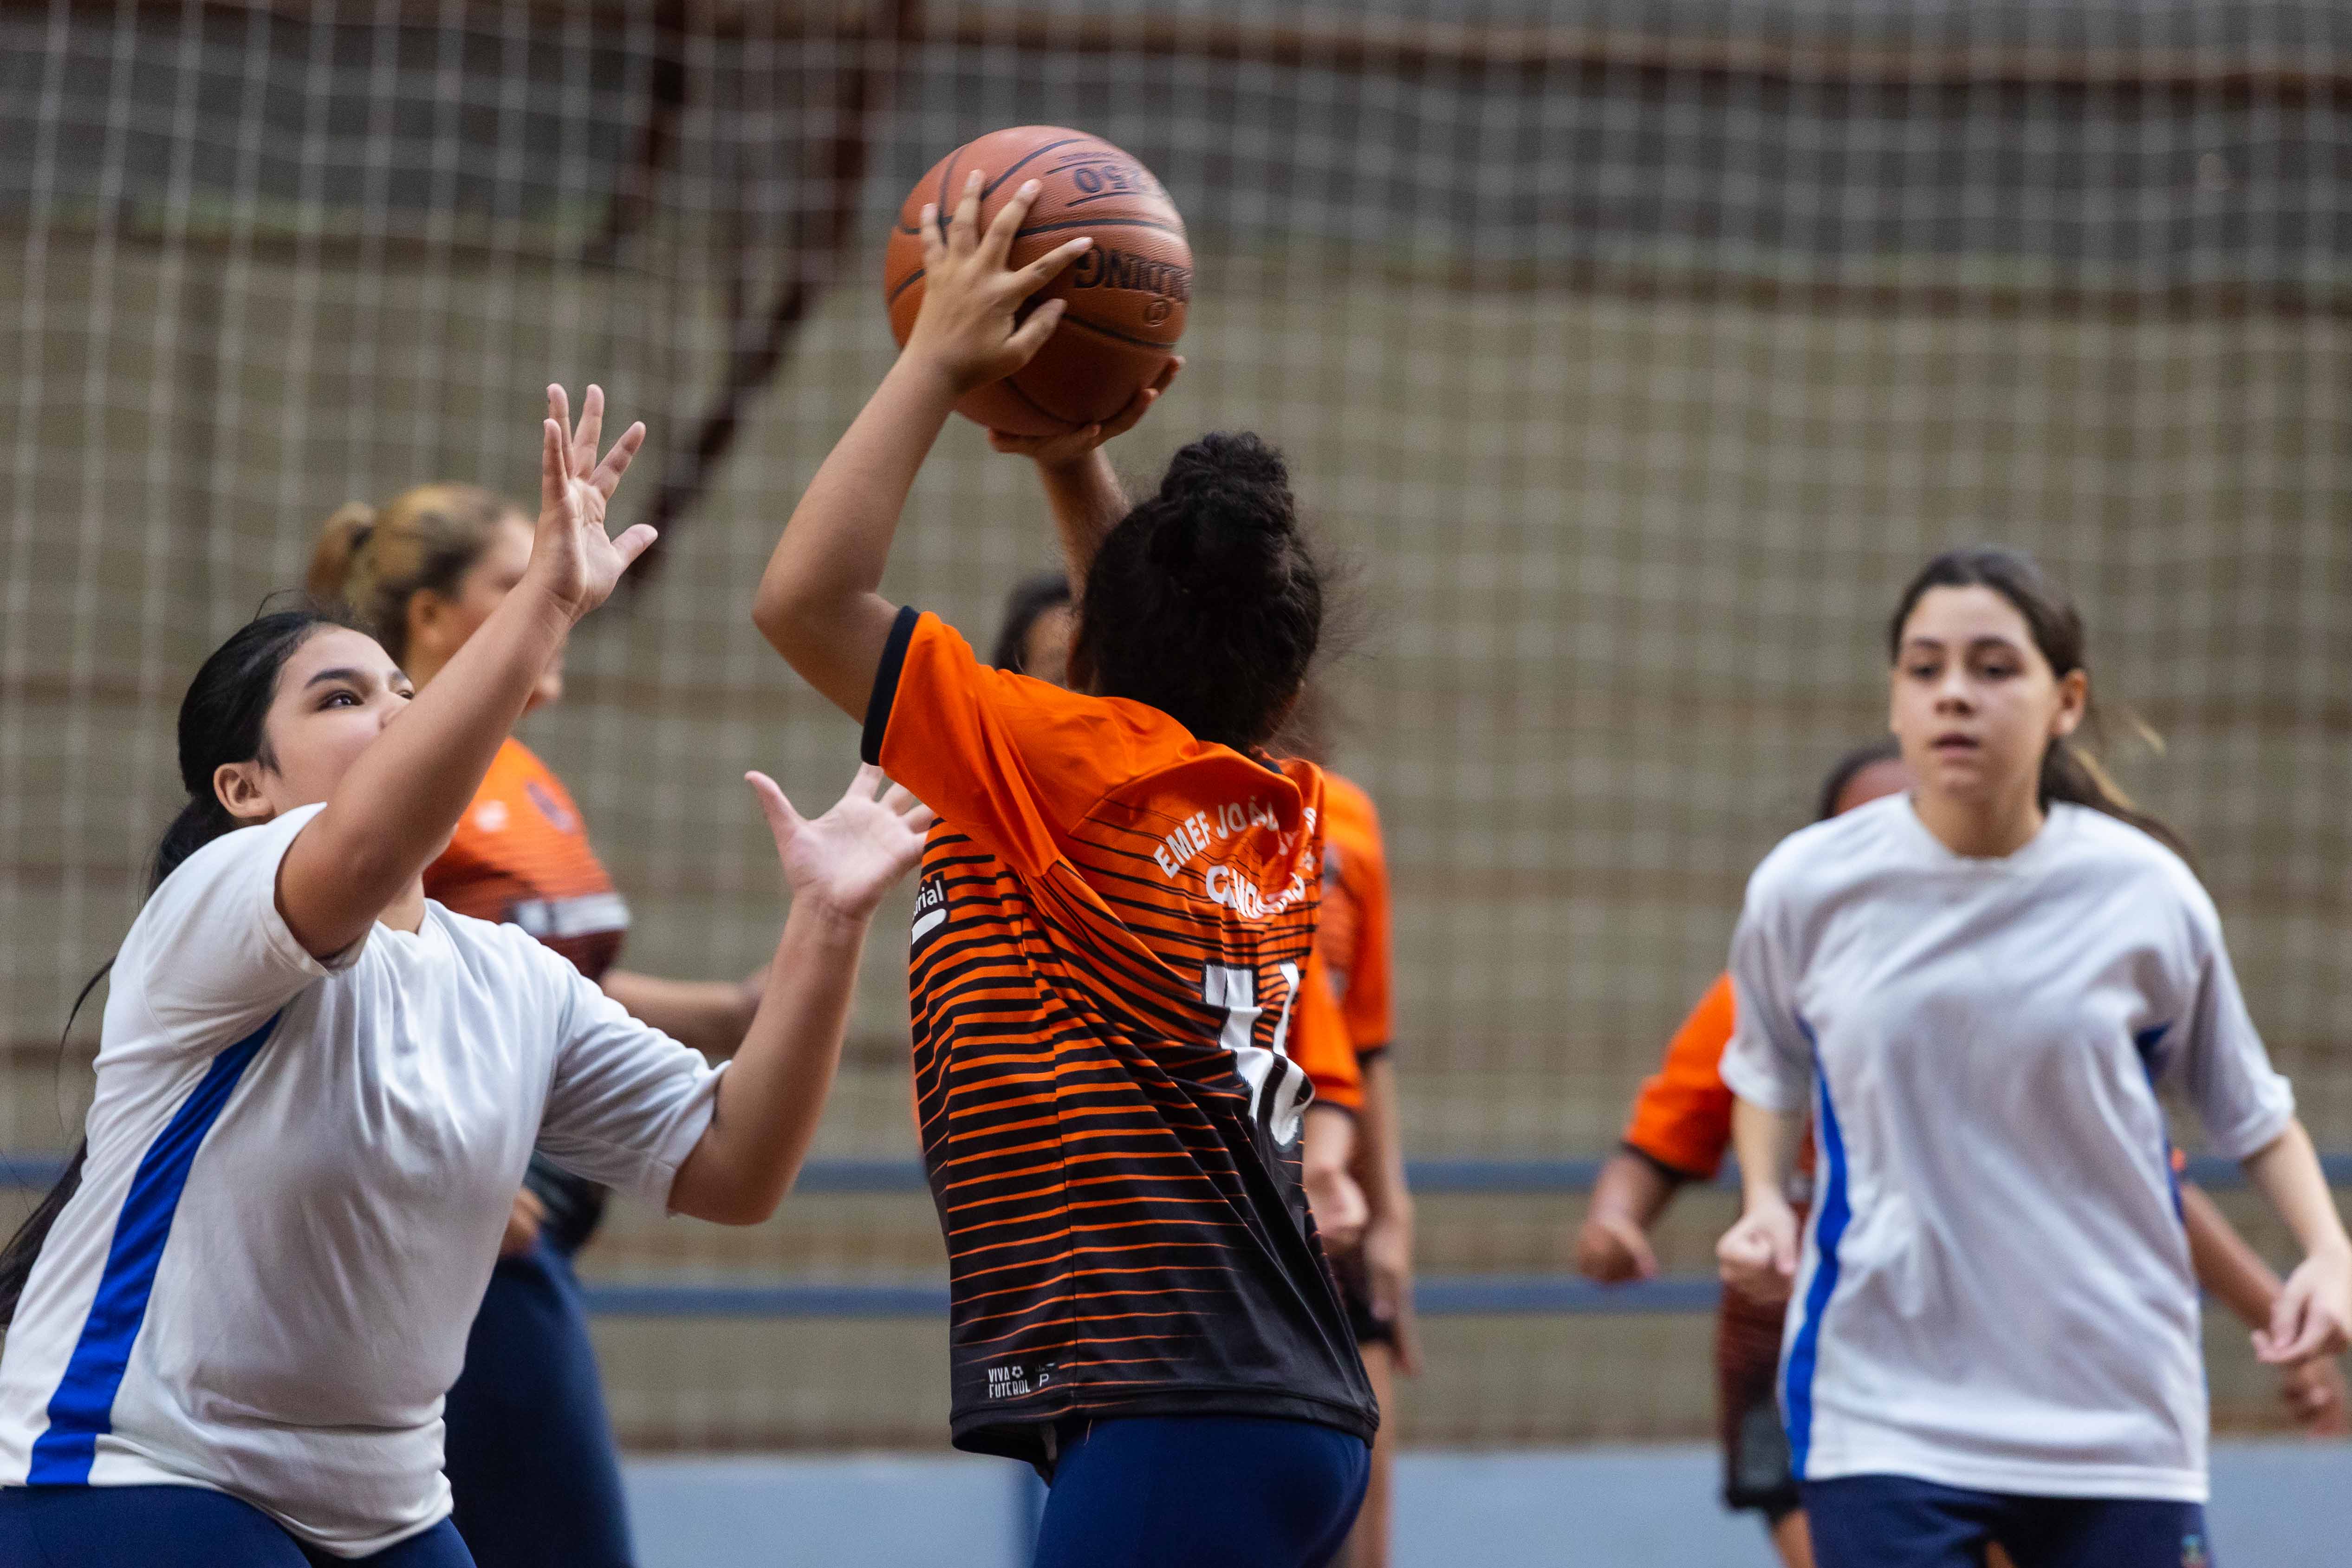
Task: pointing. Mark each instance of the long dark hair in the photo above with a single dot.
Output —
(221, 722)
(2068, 771)
(1030, 599)
(1204, 600)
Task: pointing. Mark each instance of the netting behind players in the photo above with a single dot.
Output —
(1634, 364)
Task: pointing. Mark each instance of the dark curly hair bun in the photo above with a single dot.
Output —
(1234, 490)
(1205, 601)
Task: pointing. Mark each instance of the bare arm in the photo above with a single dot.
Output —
(1759, 1253)
(1328, 1148)
(1087, 499)
(711, 1015)
(1614, 1244)
(818, 602)
(1387, 1234)
(2225, 1264)
(773, 1093)
(2313, 1314)
(395, 810)
(2313, 1389)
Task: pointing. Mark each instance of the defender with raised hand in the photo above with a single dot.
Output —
(234, 1322)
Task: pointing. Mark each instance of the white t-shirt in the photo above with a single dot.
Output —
(1996, 1290)
(297, 1177)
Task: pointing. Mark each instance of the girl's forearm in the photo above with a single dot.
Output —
(1088, 501)
(2287, 1172)
(2224, 1263)
(395, 810)
(818, 602)
(1766, 1142)
(1380, 1145)
(774, 1091)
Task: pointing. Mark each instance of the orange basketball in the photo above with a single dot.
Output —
(1125, 295)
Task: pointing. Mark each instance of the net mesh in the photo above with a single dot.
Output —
(1634, 366)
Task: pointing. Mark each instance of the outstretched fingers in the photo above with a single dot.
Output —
(997, 243)
(590, 431)
(782, 820)
(1031, 335)
(554, 482)
(963, 229)
(607, 476)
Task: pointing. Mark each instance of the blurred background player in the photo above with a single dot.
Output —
(1034, 637)
(1110, 936)
(232, 1326)
(1678, 1132)
(529, 1446)
(1982, 985)
(1373, 1256)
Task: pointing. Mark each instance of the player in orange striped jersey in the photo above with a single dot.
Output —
(529, 1450)
(1679, 1132)
(1108, 945)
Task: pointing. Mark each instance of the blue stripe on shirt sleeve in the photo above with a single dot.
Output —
(1829, 1220)
(83, 1405)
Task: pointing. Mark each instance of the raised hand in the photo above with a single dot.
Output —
(1072, 446)
(847, 858)
(570, 554)
(969, 328)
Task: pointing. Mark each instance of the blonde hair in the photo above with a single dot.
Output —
(375, 560)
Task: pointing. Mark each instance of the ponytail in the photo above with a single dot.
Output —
(2070, 773)
(375, 559)
(222, 720)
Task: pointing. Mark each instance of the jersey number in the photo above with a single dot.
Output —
(1278, 1088)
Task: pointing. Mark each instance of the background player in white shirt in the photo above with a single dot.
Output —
(1983, 985)
(317, 1092)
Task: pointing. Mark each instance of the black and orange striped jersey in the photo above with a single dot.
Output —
(1109, 938)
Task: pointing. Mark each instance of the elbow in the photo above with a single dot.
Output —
(738, 1203)
(791, 620)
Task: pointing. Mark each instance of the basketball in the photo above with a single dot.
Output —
(1126, 296)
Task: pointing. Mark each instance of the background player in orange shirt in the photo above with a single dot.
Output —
(1373, 1257)
(1107, 953)
(529, 1450)
(1679, 1130)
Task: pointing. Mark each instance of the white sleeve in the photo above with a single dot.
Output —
(2243, 1100)
(1767, 1061)
(627, 1103)
(210, 954)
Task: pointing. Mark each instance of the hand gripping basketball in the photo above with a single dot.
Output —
(970, 327)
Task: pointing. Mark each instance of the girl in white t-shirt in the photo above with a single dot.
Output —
(317, 1092)
(1980, 987)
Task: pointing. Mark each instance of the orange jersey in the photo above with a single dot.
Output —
(1682, 1118)
(1319, 1041)
(521, 855)
(1109, 940)
(1353, 937)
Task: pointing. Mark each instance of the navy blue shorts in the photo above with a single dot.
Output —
(529, 1448)
(1179, 1491)
(178, 1526)
(1895, 1521)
